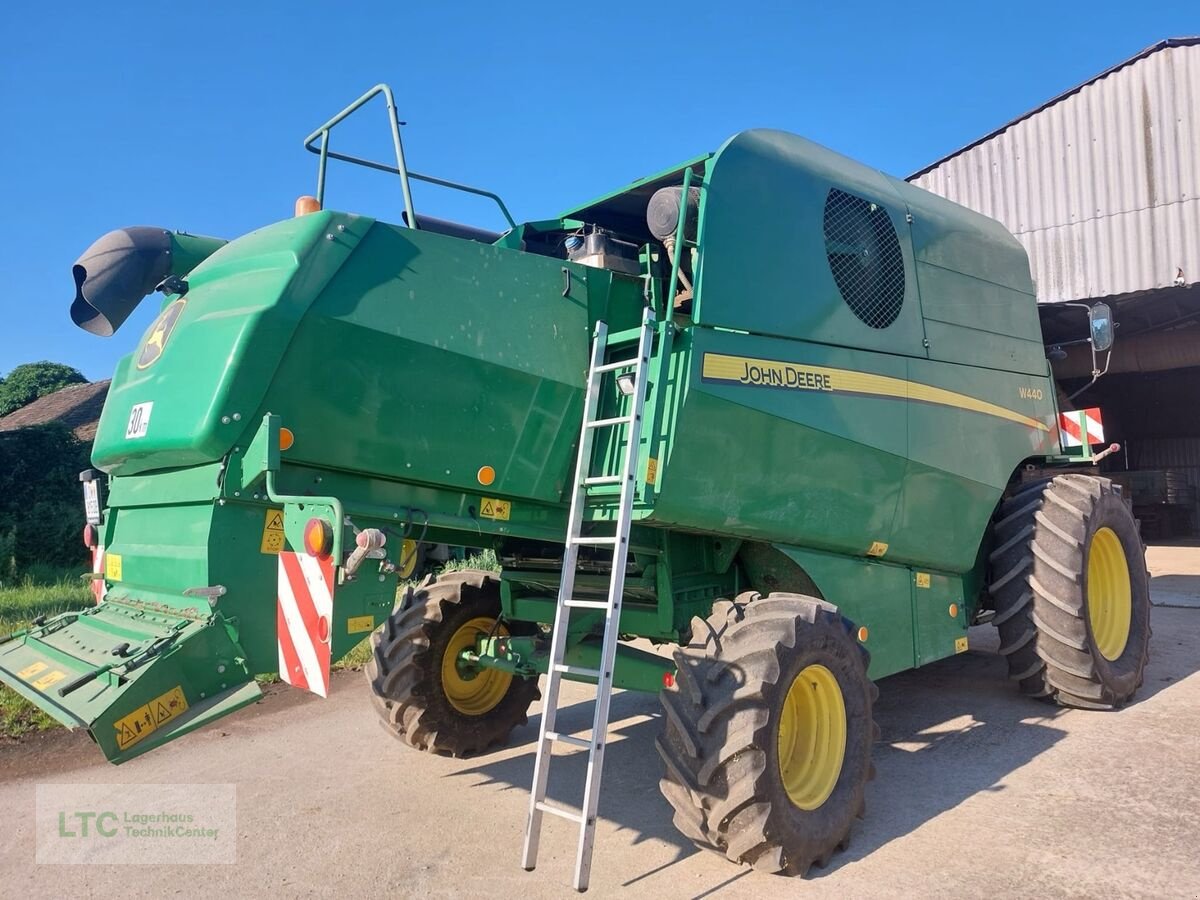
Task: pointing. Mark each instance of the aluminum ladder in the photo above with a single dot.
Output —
(585, 818)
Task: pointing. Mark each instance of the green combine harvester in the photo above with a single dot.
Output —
(769, 408)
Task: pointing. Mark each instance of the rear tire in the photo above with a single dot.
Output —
(1071, 592)
(733, 773)
(421, 697)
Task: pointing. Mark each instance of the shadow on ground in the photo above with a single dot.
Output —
(949, 731)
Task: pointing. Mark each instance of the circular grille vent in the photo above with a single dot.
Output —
(865, 258)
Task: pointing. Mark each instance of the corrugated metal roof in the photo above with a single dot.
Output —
(1102, 184)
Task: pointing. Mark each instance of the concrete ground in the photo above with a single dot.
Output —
(979, 791)
(1175, 574)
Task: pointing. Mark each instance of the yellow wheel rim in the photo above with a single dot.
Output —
(1109, 594)
(812, 737)
(473, 692)
(408, 559)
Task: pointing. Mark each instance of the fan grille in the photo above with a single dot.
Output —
(865, 258)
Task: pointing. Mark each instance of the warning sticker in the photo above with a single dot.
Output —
(960, 645)
(922, 579)
(29, 671)
(651, 470)
(272, 536)
(52, 677)
(140, 723)
(491, 508)
(877, 548)
(359, 624)
(112, 566)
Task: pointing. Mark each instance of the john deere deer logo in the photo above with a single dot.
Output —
(163, 326)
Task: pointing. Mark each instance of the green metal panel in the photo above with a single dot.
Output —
(181, 671)
(402, 372)
(770, 462)
(762, 248)
(240, 313)
(872, 595)
(940, 615)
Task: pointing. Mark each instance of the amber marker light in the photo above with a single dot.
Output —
(286, 439)
(486, 475)
(954, 610)
(306, 204)
(863, 634)
(318, 538)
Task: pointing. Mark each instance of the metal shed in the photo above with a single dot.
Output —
(1101, 184)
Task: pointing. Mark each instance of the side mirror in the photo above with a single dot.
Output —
(1100, 318)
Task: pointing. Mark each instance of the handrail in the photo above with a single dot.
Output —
(680, 232)
(400, 168)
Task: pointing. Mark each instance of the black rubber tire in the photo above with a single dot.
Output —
(404, 671)
(720, 741)
(1038, 584)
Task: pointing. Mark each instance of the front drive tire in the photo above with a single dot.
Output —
(1071, 592)
(767, 744)
(422, 696)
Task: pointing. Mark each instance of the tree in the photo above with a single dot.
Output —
(27, 382)
(41, 502)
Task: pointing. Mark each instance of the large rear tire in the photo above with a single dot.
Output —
(768, 734)
(1071, 592)
(423, 696)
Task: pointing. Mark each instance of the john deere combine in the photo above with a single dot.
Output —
(769, 406)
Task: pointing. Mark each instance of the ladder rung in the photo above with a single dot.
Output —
(568, 739)
(603, 479)
(595, 541)
(586, 604)
(604, 423)
(613, 366)
(578, 671)
(568, 814)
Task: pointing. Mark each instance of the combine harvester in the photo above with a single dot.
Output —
(770, 407)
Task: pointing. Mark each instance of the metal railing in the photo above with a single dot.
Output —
(400, 168)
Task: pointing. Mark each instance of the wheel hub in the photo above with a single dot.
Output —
(1109, 594)
(812, 737)
(473, 690)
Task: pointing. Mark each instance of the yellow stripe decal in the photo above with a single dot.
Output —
(792, 376)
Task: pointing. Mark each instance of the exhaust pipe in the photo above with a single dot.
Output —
(117, 271)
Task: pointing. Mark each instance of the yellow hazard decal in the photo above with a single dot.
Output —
(799, 377)
(877, 548)
(922, 579)
(112, 566)
(143, 721)
(52, 677)
(272, 536)
(491, 508)
(360, 624)
(29, 671)
(651, 470)
(960, 645)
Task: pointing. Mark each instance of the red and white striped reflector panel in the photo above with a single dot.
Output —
(305, 614)
(98, 585)
(1073, 425)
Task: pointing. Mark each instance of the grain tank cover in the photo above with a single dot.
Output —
(801, 242)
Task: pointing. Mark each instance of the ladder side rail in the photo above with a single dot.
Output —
(591, 799)
(541, 769)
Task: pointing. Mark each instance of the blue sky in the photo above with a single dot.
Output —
(191, 115)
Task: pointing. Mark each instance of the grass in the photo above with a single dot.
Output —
(42, 591)
(48, 591)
